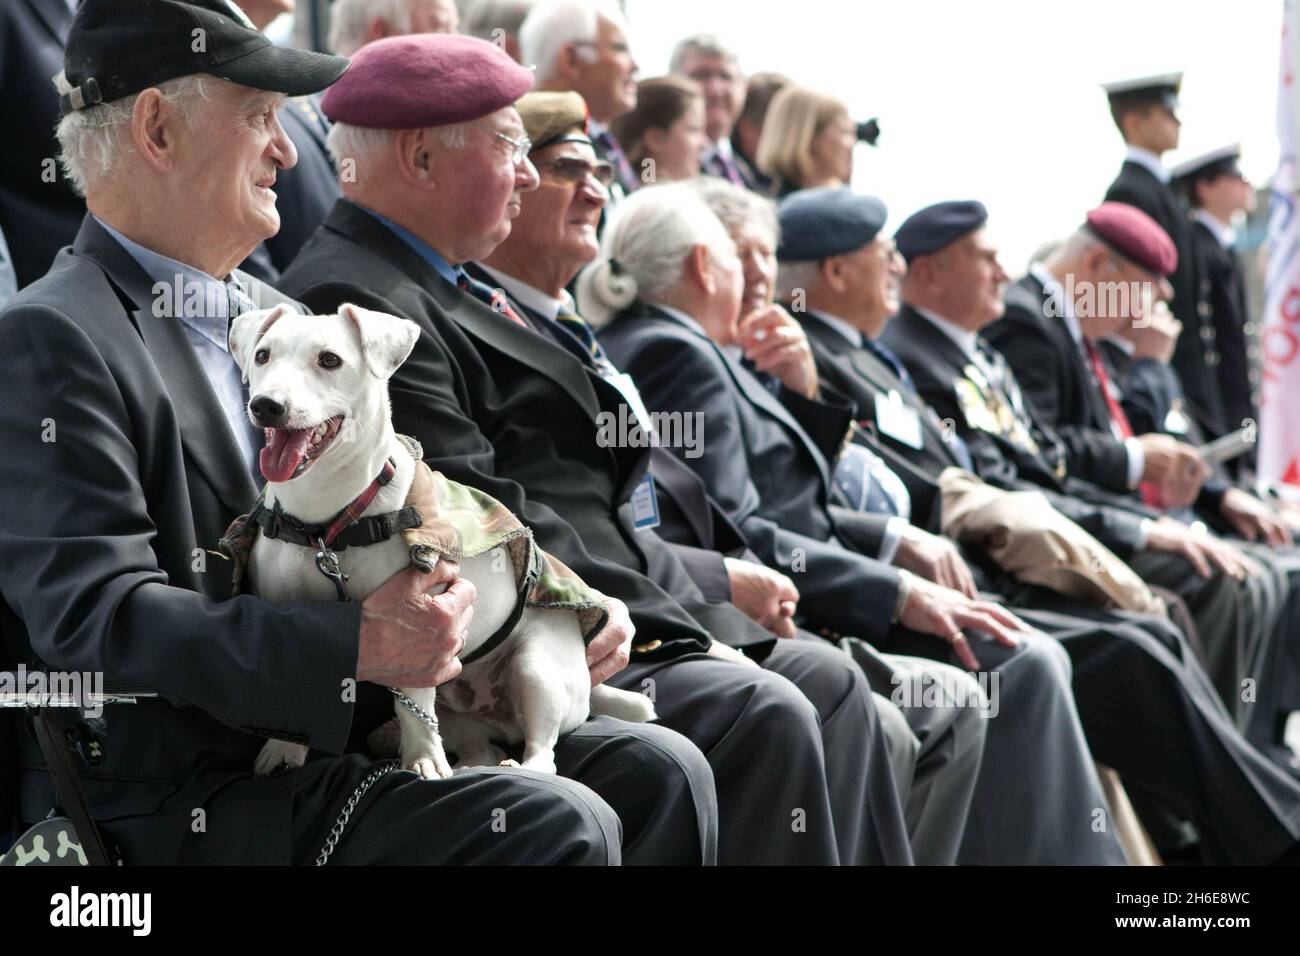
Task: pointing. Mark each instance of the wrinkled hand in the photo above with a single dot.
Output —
(1174, 467)
(775, 342)
(936, 559)
(729, 653)
(1156, 337)
(610, 650)
(1202, 550)
(943, 613)
(410, 635)
(1253, 519)
(766, 597)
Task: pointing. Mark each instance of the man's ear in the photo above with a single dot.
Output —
(152, 123)
(386, 340)
(831, 271)
(247, 330)
(697, 268)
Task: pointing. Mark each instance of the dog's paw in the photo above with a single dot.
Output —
(430, 766)
(643, 709)
(509, 762)
(274, 753)
(541, 763)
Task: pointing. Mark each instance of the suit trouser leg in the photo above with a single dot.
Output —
(1275, 669)
(1231, 616)
(869, 825)
(658, 783)
(1151, 712)
(941, 708)
(484, 816)
(762, 739)
(1038, 796)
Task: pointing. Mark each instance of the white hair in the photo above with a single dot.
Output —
(485, 17)
(350, 22)
(644, 249)
(793, 276)
(362, 144)
(92, 140)
(554, 24)
(701, 44)
(738, 207)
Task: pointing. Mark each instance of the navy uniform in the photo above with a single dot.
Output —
(1144, 182)
(1221, 378)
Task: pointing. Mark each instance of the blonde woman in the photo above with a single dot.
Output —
(807, 141)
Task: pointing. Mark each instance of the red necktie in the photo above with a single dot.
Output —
(1150, 494)
(494, 298)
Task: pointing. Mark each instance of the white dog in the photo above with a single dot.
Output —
(318, 386)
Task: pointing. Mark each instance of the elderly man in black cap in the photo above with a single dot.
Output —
(438, 181)
(849, 273)
(131, 469)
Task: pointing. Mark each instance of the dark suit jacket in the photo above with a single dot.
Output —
(38, 215)
(306, 193)
(856, 373)
(692, 524)
(121, 473)
(1054, 375)
(936, 364)
(764, 467)
(1216, 374)
(503, 409)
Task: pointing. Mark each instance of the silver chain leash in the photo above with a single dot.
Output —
(336, 832)
(341, 823)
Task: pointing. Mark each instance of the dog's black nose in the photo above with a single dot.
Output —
(266, 411)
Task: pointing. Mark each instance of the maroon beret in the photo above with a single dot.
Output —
(1134, 235)
(423, 80)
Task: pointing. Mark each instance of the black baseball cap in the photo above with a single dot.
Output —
(116, 48)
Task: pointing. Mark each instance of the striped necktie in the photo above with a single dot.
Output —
(1120, 424)
(495, 299)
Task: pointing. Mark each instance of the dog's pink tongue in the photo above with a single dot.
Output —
(284, 450)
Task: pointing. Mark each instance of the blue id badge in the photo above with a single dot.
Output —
(645, 505)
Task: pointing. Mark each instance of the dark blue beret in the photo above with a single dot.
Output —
(930, 229)
(825, 222)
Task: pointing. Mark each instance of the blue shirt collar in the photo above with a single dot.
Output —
(196, 298)
(429, 254)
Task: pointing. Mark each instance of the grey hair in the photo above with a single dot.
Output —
(554, 24)
(793, 276)
(485, 17)
(1075, 245)
(738, 207)
(644, 249)
(701, 44)
(350, 22)
(361, 143)
(92, 140)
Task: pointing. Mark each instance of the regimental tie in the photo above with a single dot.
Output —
(608, 144)
(723, 165)
(1119, 422)
(495, 299)
(886, 357)
(577, 326)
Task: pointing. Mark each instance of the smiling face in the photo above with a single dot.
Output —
(724, 91)
(604, 72)
(228, 162)
(314, 378)
(871, 278)
(756, 250)
(555, 233)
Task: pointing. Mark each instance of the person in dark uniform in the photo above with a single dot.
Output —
(40, 210)
(153, 461)
(1221, 379)
(1145, 112)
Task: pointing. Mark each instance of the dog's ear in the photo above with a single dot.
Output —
(386, 340)
(247, 330)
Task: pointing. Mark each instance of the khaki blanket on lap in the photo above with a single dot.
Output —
(459, 522)
(1031, 540)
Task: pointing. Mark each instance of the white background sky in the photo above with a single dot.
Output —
(1000, 100)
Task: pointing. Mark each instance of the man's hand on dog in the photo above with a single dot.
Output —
(411, 637)
(608, 652)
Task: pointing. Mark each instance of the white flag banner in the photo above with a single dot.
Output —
(1279, 426)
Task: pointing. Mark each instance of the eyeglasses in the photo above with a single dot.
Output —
(520, 148)
(618, 49)
(574, 172)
